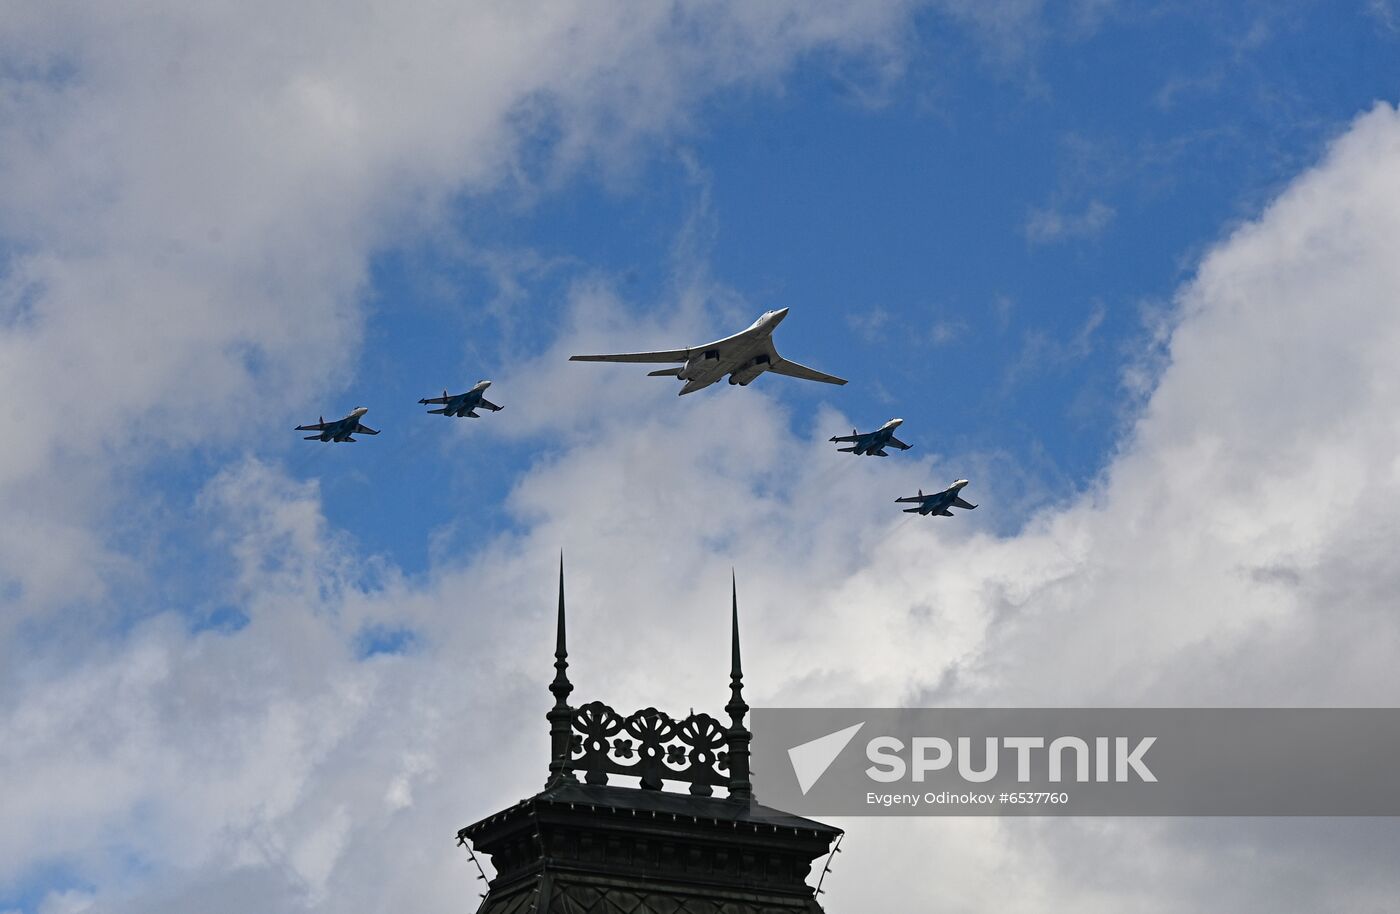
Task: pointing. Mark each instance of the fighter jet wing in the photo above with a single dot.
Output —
(435, 399)
(794, 370)
(667, 355)
(959, 503)
(895, 442)
(364, 430)
(847, 437)
(318, 427)
(487, 404)
(913, 498)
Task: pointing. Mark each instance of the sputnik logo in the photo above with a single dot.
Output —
(811, 759)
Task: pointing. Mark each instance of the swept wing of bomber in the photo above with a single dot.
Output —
(873, 443)
(464, 404)
(340, 429)
(938, 502)
(743, 356)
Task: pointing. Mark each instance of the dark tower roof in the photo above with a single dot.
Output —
(599, 848)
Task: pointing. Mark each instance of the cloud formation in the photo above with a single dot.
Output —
(1044, 226)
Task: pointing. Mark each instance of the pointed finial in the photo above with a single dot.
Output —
(738, 736)
(561, 650)
(561, 716)
(736, 667)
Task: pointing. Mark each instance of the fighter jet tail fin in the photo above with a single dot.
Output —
(911, 510)
(665, 373)
(846, 450)
(439, 411)
(311, 438)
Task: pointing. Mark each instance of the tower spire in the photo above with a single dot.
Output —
(738, 736)
(561, 716)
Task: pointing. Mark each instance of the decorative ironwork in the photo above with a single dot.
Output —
(650, 745)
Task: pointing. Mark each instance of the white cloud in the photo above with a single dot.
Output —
(1044, 226)
(1384, 13)
(1236, 552)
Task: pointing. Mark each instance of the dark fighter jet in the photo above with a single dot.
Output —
(874, 443)
(938, 502)
(743, 356)
(463, 404)
(340, 429)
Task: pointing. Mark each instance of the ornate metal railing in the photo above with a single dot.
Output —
(650, 745)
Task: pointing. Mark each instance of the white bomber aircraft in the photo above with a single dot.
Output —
(743, 356)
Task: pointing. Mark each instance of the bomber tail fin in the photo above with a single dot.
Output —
(665, 373)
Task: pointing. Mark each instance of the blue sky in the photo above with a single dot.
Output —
(1126, 266)
(896, 215)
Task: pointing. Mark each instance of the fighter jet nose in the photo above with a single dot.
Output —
(780, 313)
